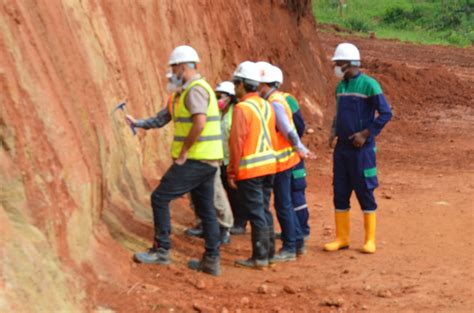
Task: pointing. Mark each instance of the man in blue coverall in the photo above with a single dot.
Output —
(355, 125)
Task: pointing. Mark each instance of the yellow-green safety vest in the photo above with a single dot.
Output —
(209, 144)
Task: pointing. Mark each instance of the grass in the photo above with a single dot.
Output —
(444, 22)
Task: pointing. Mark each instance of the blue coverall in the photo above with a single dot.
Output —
(358, 99)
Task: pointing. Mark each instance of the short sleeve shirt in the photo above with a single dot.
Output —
(197, 99)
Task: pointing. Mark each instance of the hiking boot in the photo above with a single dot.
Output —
(283, 256)
(278, 236)
(196, 231)
(208, 265)
(153, 256)
(225, 236)
(251, 263)
(237, 230)
(300, 251)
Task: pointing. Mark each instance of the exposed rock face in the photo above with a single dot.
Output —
(75, 183)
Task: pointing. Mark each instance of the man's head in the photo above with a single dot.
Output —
(183, 62)
(346, 60)
(246, 78)
(271, 77)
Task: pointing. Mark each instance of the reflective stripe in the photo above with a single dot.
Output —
(190, 119)
(284, 154)
(299, 173)
(301, 207)
(201, 138)
(370, 172)
(263, 120)
(256, 165)
(208, 145)
(256, 158)
(352, 94)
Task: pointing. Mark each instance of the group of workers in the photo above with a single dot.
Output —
(236, 143)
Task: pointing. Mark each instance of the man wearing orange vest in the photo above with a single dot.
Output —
(289, 151)
(196, 151)
(252, 161)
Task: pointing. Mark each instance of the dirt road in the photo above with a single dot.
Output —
(424, 261)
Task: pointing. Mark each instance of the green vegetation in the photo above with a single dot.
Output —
(448, 22)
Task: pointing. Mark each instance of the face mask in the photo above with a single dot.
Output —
(174, 79)
(170, 87)
(177, 81)
(339, 72)
(222, 103)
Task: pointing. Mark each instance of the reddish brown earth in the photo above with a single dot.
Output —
(425, 233)
(75, 185)
(74, 204)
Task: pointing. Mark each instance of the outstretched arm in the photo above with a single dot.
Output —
(161, 119)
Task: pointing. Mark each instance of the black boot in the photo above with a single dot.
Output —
(209, 265)
(225, 236)
(196, 231)
(260, 245)
(271, 244)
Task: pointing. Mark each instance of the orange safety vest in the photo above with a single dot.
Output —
(285, 154)
(258, 157)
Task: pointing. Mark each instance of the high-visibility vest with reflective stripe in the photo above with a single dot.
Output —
(209, 144)
(258, 156)
(285, 154)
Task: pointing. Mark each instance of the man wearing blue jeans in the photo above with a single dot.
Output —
(196, 151)
(288, 150)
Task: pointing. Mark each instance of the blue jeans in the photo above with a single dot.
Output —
(291, 232)
(195, 177)
(254, 199)
(298, 197)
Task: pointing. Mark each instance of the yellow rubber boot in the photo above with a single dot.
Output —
(369, 225)
(342, 232)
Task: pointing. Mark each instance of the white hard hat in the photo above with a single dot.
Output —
(277, 74)
(226, 87)
(248, 71)
(269, 73)
(346, 52)
(183, 54)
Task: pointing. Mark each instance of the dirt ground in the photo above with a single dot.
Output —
(424, 259)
